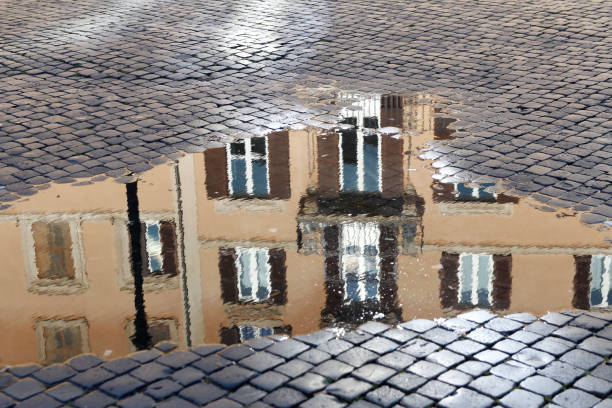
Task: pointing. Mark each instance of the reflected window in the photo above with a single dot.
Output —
(248, 173)
(360, 162)
(53, 249)
(159, 248)
(249, 332)
(60, 340)
(464, 192)
(475, 279)
(160, 329)
(601, 281)
(360, 261)
(253, 267)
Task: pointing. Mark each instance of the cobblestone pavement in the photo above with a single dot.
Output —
(107, 87)
(477, 359)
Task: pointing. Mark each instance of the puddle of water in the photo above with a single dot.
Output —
(284, 234)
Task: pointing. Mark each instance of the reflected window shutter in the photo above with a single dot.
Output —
(388, 255)
(215, 161)
(502, 281)
(334, 286)
(503, 199)
(229, 336)
(286, 330)
(229, 275)
(278, 165)
(449, 280)
(582, 282)
(144, 255)
(392, 152)
(443, 192)
(328, 166)
(167, 232)
(278, 276)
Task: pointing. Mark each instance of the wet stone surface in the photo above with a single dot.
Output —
(419, 384)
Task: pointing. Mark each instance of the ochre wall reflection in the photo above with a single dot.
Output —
(287, 234)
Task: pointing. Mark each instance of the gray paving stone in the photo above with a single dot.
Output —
(455, 377)
(333, 369)
(163, 389)
(166, 346)
(597, 345)
(317, 338)
(223, 403)
(573, 398)
(373, 327)
(492, 357)
(554, 346)
(492, 385)
(521, 398)
(373, 373)
(525, 318)
(513, 370)
(400, 336)
(420, 348)
(314, 356)
(415, 401)
(541, 385)
(260, 361)
(65, 392)
(357, 356)
(484, 336)
(558, 319)
(445, 358)
(396, 360)
(322, 401)
(348, 388)
(561, 372)
(187, 376)
(208, 349)
(234, 353)
(232, 377)
(269, 381)
(541, 328)
(309, 383)
(466, 347)
(572, 333)
(40, 400)
(294, 368)
(436, 390)
(384, 396)
(247, 394)
(287, 349)
(526, 337)
(150, 372)
(145, 356)
(120, 365)
(464, 397)
(503, 325)
(426, 369)
(581, 359)
(335, 347)
(440, 336)
(202, 393)
(589, 323)
(418, 325)
(509, 346)
(533, 357)
(24, 370)
(362, 404)
(594, 385)
(137, 401)
(357, 337)
(54, 374)
(379, 345)
(121, 386)
(95, 399)
(85, 362)
(407, 382)
(477, 316)
(603, 371)
(24, 389)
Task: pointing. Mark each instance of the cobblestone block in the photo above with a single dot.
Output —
(581, 359)
(400, 336)
(177, 359)
(348, 388)
(509, 346)
(260, 361)
(235, 353)
(415, 401)
(492, 385)
(151, 372)
(418, 325)
(322, 401)
(445, 358)
(24, 389)
(436, 390)
(85, 362)
(396, 360)
(333, 369)
(284, 398)
(287, 349)
(521, 398)
(357, 337)
(589, 323)
(484, 336)
(317, 338)
(492, 357)
(65, 392)
(541, 385)
(206, 350)
(533, 357)
(384, 396)
(594, 385)
(187, 376)
(121, 386)
(573, 398)
(597, 345)
(54, 374)
(202, 393)
(357, 356)
(247, 394)
(120, 365)
(137, 401)
(314, 356)
(40, 400)
(420, 348)
(513, 371)
(95, 399)
(373, 327)
(309, 383)
(379, 345)
(269, 381)
(163, 389)
(232, 377)
(335, 347)
(561, 372)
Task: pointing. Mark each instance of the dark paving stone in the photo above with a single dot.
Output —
(589, 323)
(348, 388)
(162, 389)
(541, 328)
(445, 358)
(317, 338)
(120, 365)
(333, 369)
(420, 348)
(202, 393)
(40, 400)
(178, 359)
(362, 404)
(121, 386)
(24, 370)
(492, 357)
(415, 401)
(513, 371)
(561, 372)
(573, 398)
(492, 385)
(400, 336)
(322, 401)
(455, 377)
(436, 390)
(294, 368)
(284, 398)
(373, 373)
(522, 399)
(259, 343)
(407, 382)
(541, 385)
(594, 385)
(533, 358)
(176, 402)
(270, 380)
(224, 403)
(314, 356)
(54, 374)
(373, 327)
(235, 353)
(137, 401)
(418, 325)
(287, 349)
(166, 346)
(95, 399)
(208, 349)
(597, 345)
(509, 346)
(558, 319)
(464, 397)
(484, 336)
(477, 316)
(426, 369)
(247, 394)
(473, 368)
(357, 356)
(145, 356)
(581, 359)
(379, 345)
(502, 325)
(232, 377)
(309, 383)
(151, 372)
(396, 360)
(24, 389)
(440, 336)
(187, 376)
(335, 347)
(85, 362)
(384, 396)
(65, 392)
(261, 361)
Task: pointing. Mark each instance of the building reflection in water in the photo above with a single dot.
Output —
(285, 234)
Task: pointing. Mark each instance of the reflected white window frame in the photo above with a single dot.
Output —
(53, 286)
(475, 191)
(606, 279)
(475, 257)
(360, 161)
(249, 157)
(79, 323)
(257, 331)
(253, 272)
(125, 280)
(171, 322)
(371, 236)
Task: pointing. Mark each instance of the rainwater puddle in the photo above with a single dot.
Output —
(284, 234)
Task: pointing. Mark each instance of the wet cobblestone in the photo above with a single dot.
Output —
(567, 382)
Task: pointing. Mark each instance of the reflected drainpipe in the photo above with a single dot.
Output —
(141, 337)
